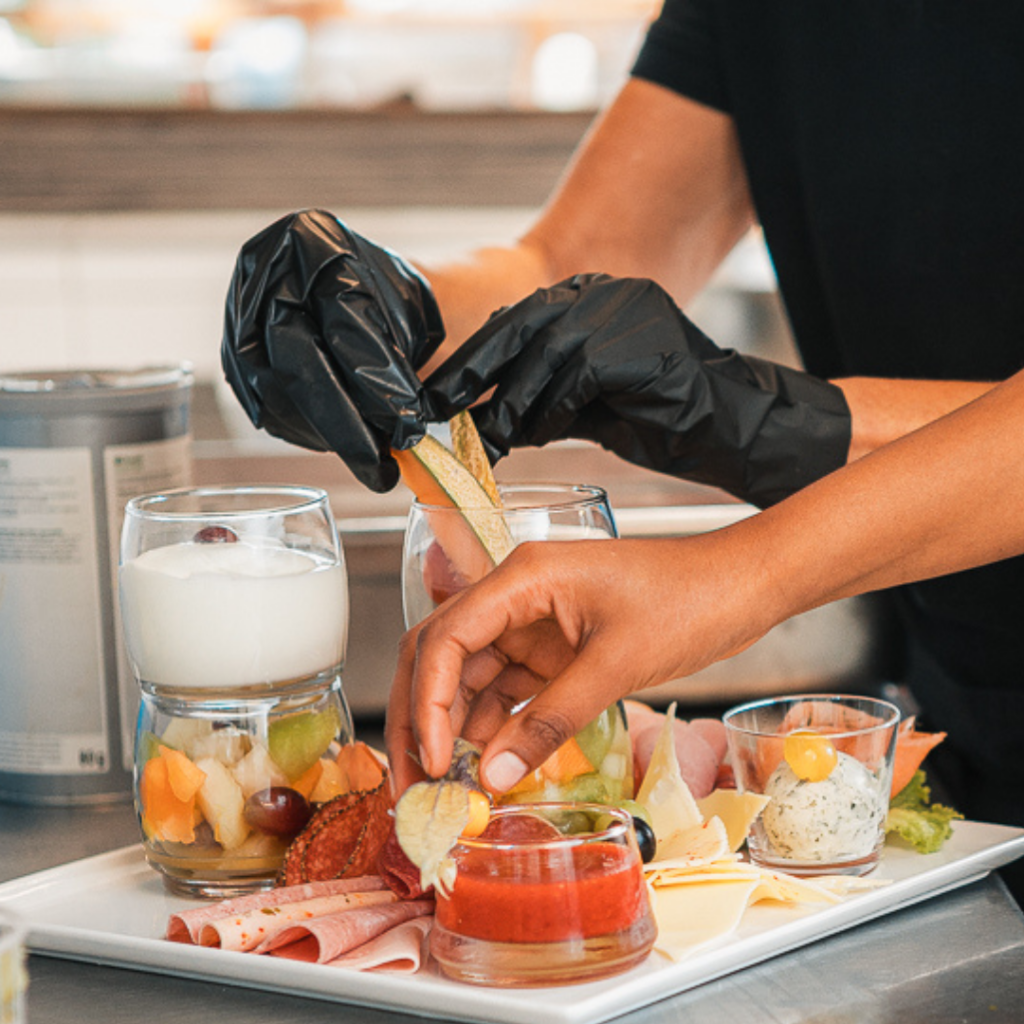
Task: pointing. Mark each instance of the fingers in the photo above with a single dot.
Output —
(450, 658)
(589, 685)
(322, 331)
(482, 359)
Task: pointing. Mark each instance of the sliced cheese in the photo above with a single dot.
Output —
(690, 917)
(693, 846)
(737, 810)
(664, 793)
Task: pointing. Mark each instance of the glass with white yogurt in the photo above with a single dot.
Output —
(234, 611)
(825, 763)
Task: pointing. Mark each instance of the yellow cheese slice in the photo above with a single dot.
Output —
(788, 889)
(690, 917)
(664, 792)
(737, 810)
(693, 846)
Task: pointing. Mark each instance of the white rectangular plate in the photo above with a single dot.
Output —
(112, 909)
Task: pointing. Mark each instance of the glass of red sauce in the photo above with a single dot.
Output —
(548, 894)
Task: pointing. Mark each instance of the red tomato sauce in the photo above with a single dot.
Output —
(523, 895)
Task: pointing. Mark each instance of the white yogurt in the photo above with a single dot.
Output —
(233, 615)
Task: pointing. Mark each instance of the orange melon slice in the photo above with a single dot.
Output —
(363, 772)
(912, 747)
(566, 762)
(167, 793)
(478, 538)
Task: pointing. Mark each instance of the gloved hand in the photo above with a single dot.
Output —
(615, 361)
(323, 334)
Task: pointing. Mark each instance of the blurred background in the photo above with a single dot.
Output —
(143, 141)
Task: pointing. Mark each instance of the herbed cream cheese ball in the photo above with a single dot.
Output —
(836, 819)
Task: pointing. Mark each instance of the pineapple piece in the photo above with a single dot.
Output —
(221, 800)
(257, 770)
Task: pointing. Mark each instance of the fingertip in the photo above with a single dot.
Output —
(502, 771)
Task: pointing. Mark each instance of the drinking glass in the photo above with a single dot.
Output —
(825, 761)
(446, 549)
(13, 973)
(549, 894)
(234, 607)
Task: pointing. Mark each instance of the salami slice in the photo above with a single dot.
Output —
(186, 925)
(326, 938)
(342, 839)
(399, 873)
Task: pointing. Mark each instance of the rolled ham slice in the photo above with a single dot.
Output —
(712, 731)
(402, 950)
(698, 761)
(253, 929)
(186, 925)
(324, 939)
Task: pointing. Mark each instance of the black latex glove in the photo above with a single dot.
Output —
(615, 361)
(323, 334)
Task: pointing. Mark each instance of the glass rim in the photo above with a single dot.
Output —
(891, 719)
(617, 830)
(573, 497)
(152, 506)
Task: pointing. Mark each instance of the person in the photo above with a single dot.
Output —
(522, 660)
(572, 627)
(870, 144)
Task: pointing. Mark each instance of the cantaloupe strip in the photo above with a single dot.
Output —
(469, 450)
(166, 815)
(309, 779)
(362, 771)
(912, 747)
(474, 541)
(566, 762)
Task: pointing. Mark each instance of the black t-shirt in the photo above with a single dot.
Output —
(884, 145)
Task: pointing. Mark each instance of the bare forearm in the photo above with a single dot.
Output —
(944, 498)
(883, 410)
(657, 189)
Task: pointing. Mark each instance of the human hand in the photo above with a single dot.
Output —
(614, 360)
(324, 331)
(570, 627)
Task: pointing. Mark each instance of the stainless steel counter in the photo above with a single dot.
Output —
(957, 957)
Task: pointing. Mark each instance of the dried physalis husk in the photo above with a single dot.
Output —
(430, 816)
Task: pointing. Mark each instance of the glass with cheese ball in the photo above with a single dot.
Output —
(825, 763)
(234, 611)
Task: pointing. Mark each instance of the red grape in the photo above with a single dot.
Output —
(278, 811)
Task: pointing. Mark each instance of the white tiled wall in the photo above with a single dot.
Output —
(124, 290)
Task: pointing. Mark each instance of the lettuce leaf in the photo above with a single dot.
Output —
(917, 821)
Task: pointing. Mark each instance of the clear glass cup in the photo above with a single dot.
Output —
(549, 894)
(13, 972)
(825, 761)
(443, 554)
(446, 550)
(234, 607)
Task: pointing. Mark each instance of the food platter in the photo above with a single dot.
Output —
(112, 909)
